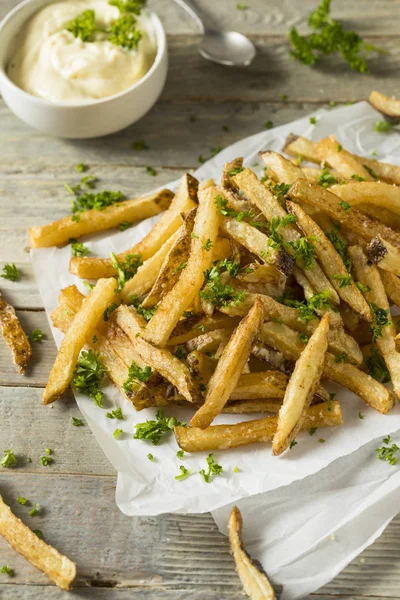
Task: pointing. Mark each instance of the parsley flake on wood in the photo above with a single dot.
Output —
(34, 510)
(46, 460)
(140, 145)
(184, 473)
(388, 452)
(136, 374)
(9, 459)
(78, 249)
(10, 272)
(152, 172)
(213, 469)
(37, 335)
(81, 167)
(22, 500)
(154, 430)
(8, 570)
(77, 422)
(88, 374)
(269, 125)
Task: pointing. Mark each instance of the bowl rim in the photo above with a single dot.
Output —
(161, 40)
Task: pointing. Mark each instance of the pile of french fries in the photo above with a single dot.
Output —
(207, 308)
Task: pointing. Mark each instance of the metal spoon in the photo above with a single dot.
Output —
(223, 47)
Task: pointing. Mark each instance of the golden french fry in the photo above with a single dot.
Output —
(230, 367)
(223, 437)
(258, 385)
(369, 276)
(331, 262)
(382, 253)
(44, 557)
(301, 388)
(210, 342)
(191, 279)
(183, 201)
(14, 335)
(90, 221)
(282, 169)
(254, 581)
(330, 151)
(300, 146)
(387, 105)
(376, 193)
(84, 322)
(196, 325)
(392, 286)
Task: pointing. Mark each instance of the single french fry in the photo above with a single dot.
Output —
(373, 393)
(387, 105)
(262, 197)
(376, 193)
(191, 279)
(254, 581)
(183, 201)
(392, 286)
(300, 146)
(382, 253)
(258, 385)
(331, 262)
(261, 405)
(331, 152)
(44, 557)
(230, 367)
(301, 388)
(369, 276)
(197, 325)
(14, 336)
(84, 322)
(223, 437)
(211, 341)
(90, 221)
(165, 363)
(282, 169)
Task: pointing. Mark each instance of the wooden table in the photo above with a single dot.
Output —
(203, 106)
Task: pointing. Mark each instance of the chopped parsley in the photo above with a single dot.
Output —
(357, 177)
(10, 272)
(345, 205)
(46, 460)
(124, 225)
(140, 145)
(381, 320)
(184, 473)
(370, 171)
(34, 510)
(146, 313)
(8, 570)
(363, 288)
(360, 415)
(239, 6)
(383, 126)
(22, 500)
(81, 167)
(117, 433)
(329, 37)
(388, 452)
(115, 414)
(155, 430)
(207, 245)
(77, 422)
(98, 201)
(180, 454)
(215, 291)
(136, 375)
(110, 309)
(224, 209)
(88, 285)
(306, 308)
(78, 249)
(152, 172)
(304, 250)
(339, 148)
(236, 470)
(341, 358)
(151, 457)
(38, 532)
(88, 374)
(376, 366)
(293, 443)
(269, 125)
(313, 120)
(340, 245)
(180, 353)
(344, 280)
(9, 459)
(275, 238)
(47, 450)
(180, 267)
(213, 469)
(133, 6)
(123, 32)
(321, 441)
(127, 269)
(312, 430)
(326, 179)
(37, 335)
(83, 26)
(303, 337)
(89, 181)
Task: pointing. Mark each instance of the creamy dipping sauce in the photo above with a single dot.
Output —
(53, 64)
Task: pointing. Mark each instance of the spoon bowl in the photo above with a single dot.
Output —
(227, 48)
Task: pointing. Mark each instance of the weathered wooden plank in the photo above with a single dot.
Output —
(24, 293)
(275, 17)
(28, 427)
(24, 592)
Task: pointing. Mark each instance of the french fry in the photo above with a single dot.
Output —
(223, 437)
(257, 242)
(197, 325)
(59, 232)
(183, 201)
(160, 359)
(242, 407)
(84, 322)
(369, 276)
(168, 275)
(282, 169)
(258, 385)
(392, 286)
(254, 581)
(330, 151)
(273, 358)
(331, 262)
(387, 105)
(300, 146)
(301, 388)
(191, 279)
(382, 253)
(210, 342)
(373, 393)
(270, 207)
(229, 367)
(14, 336)
(376, 193)
(44, 557)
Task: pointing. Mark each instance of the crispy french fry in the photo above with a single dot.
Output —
(382, 253)
(300, 146)
(90, 221)
(373, 393)
(84, 322)
(242, 407)
(183, 201)
(254, 581)
(392, 286)
(387, 105)
(282, 169)
(376, 193)
(165, 363)
(257, 242)
(301, 388)
(197, 325)
(223, 437)
(270, 207)
(44, 557)
(369, 276)
(273, 358)
(331, 262)
(330, 151)
(229, 367)
(14, 336)
(191, 279)
(258, 385)
(211, 341)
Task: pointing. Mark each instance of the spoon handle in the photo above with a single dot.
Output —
(193, 11)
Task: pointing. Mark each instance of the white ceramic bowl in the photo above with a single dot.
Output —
(94, 119)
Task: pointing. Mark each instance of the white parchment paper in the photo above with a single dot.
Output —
(293, 503)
